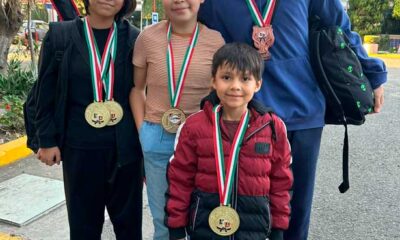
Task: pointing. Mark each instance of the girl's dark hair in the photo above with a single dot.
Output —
(127, 9)
(239, 56)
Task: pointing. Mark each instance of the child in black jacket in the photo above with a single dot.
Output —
(83, 118)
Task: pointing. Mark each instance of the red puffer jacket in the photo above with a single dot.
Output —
(263, 179)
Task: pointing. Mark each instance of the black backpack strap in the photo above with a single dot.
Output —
(345, 185)
(60, 33)
(272, 126)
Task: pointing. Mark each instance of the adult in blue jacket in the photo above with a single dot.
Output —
(289, 86)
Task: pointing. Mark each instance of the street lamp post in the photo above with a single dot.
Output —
(141, 14)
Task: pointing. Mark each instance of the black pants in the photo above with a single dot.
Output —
(93, 182)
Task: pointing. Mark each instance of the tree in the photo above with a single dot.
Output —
(367, 15)
(396, 9)
(391, 23)
(11, 18)
(30, 38)
(147, 8)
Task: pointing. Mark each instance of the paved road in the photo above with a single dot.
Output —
(370, 210)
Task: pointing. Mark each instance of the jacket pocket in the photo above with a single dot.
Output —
(193, 215)
(269, 216)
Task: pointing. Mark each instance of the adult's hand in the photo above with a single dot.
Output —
(49, 156)
(378, 95)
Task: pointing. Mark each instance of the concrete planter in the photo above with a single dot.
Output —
(371, 48)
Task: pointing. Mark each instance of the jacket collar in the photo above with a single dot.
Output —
(256, 108)
(257, 112)
(78, 38)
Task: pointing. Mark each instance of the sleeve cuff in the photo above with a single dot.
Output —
(47, 142)
(276, 234)
(376, 78)
(177, 233)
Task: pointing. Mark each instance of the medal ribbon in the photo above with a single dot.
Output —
(102, 69)
(175, 89)
(264, 19)
(225, 180)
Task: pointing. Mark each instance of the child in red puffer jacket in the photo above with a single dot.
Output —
(230, 173)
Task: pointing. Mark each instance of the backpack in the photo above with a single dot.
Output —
(59, 35)
(348, 93)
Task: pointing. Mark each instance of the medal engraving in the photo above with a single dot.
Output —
(224, 221)
(263, 38)
(97, 115)
(172, 119)
(116, 112)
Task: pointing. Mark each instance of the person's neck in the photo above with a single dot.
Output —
(232, 114)
(99, 22)
(184, 28)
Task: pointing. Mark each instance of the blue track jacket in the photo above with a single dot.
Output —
(289, 85)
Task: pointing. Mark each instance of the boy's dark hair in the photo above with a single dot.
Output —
(239, 56)
(127, 9)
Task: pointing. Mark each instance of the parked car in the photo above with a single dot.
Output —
(39, 29)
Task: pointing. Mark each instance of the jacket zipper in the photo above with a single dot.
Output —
(195, 213)
(270, 218)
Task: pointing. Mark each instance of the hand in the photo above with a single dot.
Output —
(378, 93)
(49, 156)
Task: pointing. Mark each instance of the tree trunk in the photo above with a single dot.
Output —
(5, 43)
(30, 37)
(10, 20)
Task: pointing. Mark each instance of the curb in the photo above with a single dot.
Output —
(383, 56)
(4, 236)
(390, 61)
(13, 151)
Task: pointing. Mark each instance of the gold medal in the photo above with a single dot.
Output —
(116, 112)
(263, 38)
(97, 115)
(224, 220)
(172, 119)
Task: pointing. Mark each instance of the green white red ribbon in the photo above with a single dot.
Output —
(264, 19)
(226, 175)
(102, 69)
(175, 88)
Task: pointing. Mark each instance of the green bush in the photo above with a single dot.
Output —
(393, 50)
(384, 43)
(13, 117)
(396, 9)
(371, 39)
(17, 81)
(14, 87)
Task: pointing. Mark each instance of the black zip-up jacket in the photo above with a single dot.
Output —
(52, 88)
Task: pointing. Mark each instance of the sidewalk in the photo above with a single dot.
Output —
(368, 211)
(54, 225)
